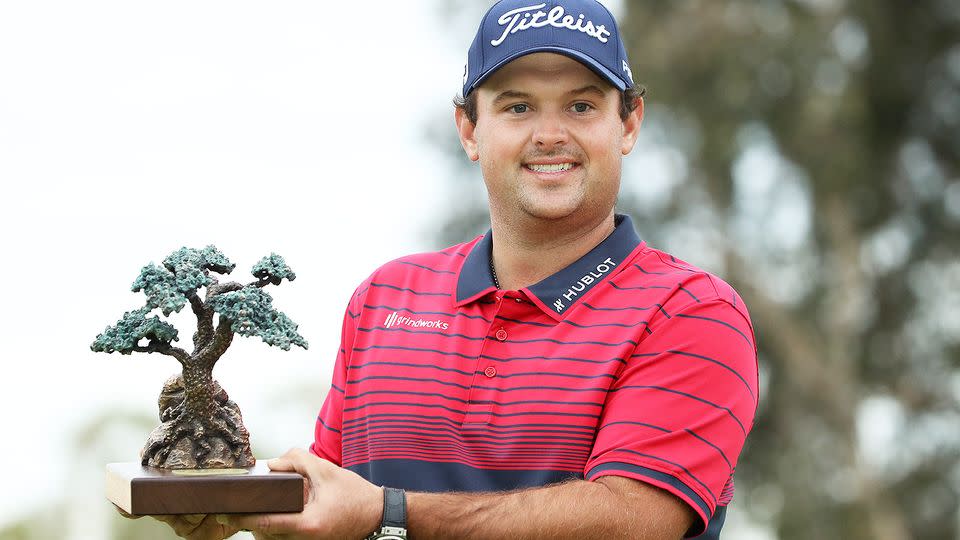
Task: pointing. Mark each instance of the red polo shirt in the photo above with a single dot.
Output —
(628, 362)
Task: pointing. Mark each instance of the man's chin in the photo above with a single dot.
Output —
(551, 212)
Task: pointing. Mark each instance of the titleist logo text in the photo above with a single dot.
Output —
(520, 19)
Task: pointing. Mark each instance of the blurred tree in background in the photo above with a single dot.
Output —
(807, 151)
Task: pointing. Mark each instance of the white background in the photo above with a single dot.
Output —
(128, 130)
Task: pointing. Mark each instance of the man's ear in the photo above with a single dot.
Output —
(631, 127)
(467, 131)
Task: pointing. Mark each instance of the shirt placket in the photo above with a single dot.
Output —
(488, 376)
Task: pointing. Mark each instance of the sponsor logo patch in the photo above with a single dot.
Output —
(583, 284)
(394, 320)
(520, 19)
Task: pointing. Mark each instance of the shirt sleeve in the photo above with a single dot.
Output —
(328, 431)
(680, 411)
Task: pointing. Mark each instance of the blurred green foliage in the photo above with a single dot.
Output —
(807, 151)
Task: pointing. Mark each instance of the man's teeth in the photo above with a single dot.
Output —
(552, 167)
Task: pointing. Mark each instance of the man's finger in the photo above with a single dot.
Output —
(125, 514)
(280, 464)
(299, 460)
(303, 463)
(169, 519)
(264, 523)
(183, 525)
(287, 462)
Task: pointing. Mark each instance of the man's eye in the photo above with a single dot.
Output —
(581, 107)
(518, 108)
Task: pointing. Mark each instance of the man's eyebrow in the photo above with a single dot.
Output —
(515, 94)
(589, 89)
(510, 94)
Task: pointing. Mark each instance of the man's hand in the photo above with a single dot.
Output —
(192, 526)
(338, 504)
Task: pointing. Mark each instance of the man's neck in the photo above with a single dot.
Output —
(523, 256)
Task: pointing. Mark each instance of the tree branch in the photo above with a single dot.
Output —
(164, 348)
(204, 315)
(222, 338)
(220, 288)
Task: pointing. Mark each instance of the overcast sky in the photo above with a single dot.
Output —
(130, 129)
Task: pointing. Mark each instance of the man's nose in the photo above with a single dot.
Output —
(549, 131)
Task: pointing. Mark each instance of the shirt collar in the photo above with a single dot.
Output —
(475, 279)
(557, 293)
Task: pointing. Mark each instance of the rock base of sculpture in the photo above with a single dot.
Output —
(217, 440)
(142, 490)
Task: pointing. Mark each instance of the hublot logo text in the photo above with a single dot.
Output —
(583, 283)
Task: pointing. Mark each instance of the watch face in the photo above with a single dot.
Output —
(389, 533)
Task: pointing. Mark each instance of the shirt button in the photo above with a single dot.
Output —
(490, 371)
(501, 334)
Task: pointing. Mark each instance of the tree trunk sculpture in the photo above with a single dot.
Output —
(201, 427)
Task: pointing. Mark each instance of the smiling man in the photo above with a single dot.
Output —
(554, 378)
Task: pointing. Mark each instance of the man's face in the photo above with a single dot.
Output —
(549, 139)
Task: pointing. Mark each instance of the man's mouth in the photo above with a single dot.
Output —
(550, 167)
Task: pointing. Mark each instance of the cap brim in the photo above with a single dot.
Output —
(584, 59)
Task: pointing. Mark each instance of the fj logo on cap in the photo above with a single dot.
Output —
(520, 19)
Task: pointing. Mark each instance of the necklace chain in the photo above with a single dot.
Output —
(493, 272)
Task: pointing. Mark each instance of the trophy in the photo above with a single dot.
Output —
(198, 460)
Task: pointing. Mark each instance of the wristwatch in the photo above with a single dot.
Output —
(394, 523)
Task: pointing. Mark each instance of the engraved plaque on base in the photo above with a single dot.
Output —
(142, 490)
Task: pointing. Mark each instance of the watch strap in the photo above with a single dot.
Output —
(394, 508)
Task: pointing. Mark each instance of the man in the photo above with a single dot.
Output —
(555, 378)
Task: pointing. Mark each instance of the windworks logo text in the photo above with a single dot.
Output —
(395, 319)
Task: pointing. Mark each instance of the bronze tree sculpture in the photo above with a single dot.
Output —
(201, 427)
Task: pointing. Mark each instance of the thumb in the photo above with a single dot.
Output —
(302, 463)
(295, 460)
(280, 464)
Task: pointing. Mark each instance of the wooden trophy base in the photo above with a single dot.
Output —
(141, 490)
